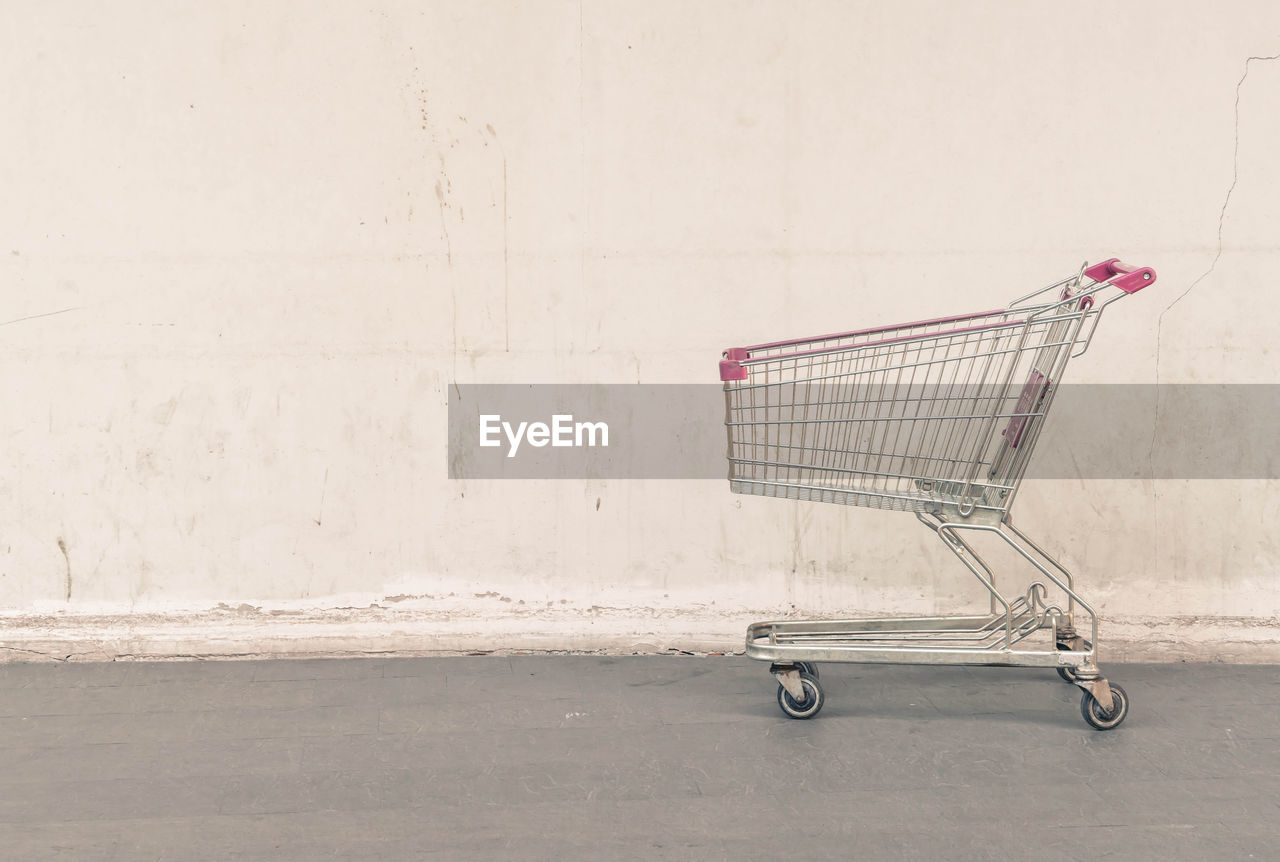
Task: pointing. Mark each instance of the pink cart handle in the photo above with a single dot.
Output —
(1130, 279)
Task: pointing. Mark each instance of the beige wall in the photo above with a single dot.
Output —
(272, 234)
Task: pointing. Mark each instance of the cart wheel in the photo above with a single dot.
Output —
(1099, 718)
(808, 667)
(807, 708)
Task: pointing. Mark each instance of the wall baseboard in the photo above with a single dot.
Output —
(247, 632)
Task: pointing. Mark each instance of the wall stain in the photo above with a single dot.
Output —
(62, 546)
(323, 488)
(444, 226)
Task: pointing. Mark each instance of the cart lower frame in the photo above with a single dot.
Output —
(793, 647)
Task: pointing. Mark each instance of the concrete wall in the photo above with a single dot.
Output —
(245, 248)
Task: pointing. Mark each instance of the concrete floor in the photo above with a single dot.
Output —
(597, 758)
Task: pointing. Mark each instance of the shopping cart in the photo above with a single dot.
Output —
(939, 418)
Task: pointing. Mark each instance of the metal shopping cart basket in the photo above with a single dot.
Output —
(939, 418)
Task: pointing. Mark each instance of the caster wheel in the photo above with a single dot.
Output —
(1100, 719)
(807, 708)
(808, 667)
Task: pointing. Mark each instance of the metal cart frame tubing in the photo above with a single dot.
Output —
(939, 418)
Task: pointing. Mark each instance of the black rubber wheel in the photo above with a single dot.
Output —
(808, 667)
(810, 706)
(1100, 719)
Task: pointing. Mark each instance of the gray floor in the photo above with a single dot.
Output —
(594, 758)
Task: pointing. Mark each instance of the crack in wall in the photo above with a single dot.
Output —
(47, 655)
(1222, 215)
(43, 314)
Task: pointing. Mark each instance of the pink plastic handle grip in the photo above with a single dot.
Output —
(1130, 279)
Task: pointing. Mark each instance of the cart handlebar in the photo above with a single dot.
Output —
(1111, 272)
(1130, 279)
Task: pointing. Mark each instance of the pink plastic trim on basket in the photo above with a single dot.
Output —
(733, 366)
(1034, 390)
(730, 367)
(856, 332)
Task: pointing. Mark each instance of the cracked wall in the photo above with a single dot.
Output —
(246, 250)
